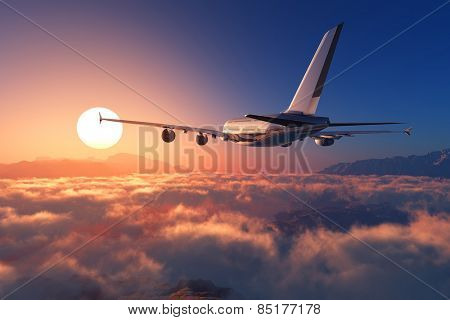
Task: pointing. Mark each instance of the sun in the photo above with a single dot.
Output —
(99, 135)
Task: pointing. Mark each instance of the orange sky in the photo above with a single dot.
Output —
(47, 86)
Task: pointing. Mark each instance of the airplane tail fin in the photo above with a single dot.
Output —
(308, 93)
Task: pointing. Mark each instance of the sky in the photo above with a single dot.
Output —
(204, 62)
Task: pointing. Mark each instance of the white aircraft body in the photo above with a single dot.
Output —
(297, 122)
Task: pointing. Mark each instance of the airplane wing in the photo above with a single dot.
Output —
(340, 134)
(213, 133)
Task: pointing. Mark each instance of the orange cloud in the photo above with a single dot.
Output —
(242, 232)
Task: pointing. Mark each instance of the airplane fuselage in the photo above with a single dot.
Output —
(258, 133)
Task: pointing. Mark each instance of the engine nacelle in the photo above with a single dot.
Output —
(168, 135)
(202, 139)
(324, 142)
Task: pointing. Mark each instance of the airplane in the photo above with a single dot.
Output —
(297, 122)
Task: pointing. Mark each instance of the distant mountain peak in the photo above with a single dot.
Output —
(433, 164)
(200, 289)
(119, 164)
(443, 157)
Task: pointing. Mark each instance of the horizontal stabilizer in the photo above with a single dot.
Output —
(280, 121)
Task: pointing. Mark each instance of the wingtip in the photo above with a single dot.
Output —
(408, 131)
(100, 119)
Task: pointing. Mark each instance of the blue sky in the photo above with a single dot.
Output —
(259, 53)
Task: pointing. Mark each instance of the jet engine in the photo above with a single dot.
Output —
(168, 135)
(324, 142)
(201, 139)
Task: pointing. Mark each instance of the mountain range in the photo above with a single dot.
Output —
(119, 164)
(433, 164)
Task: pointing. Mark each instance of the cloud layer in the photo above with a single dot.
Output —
(243, 232)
